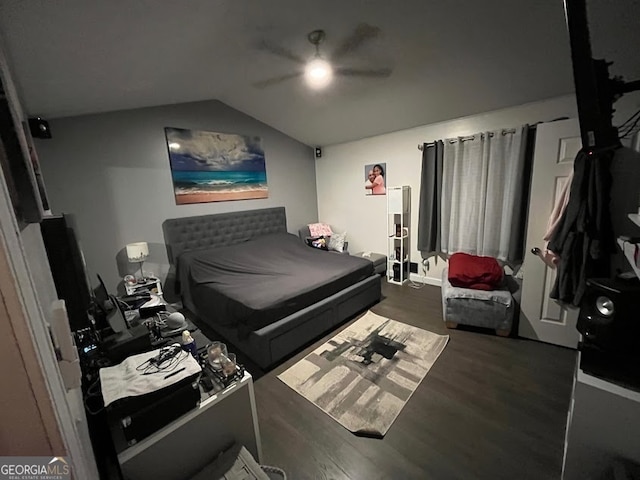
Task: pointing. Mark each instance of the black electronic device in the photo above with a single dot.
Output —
(610, 327)
(125, 341)
(133, 302)
(609, 316)
(39, 128)
(86, 341)
(67, 268)
(596, 91)
(136, 298)
(135, 418)
(116, 317)
(129, 342)
(108, 303)
(146, 312)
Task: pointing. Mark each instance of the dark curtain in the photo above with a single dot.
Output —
(430, 204)
(584, 237)
(521, 203)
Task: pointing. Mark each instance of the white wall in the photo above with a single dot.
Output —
(340, 172)
(112, 172)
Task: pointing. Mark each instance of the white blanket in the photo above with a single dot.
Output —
(130, 378)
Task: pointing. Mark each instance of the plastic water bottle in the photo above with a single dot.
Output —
(189, 344)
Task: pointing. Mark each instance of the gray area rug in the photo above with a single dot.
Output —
(364, 375)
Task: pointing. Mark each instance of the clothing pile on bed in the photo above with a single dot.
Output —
(322, 236)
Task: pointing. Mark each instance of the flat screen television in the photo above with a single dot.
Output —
(68, 268)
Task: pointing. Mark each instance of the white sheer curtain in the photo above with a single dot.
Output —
(481, 192)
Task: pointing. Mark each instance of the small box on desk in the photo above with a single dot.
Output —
(146, 312)
(148, 285)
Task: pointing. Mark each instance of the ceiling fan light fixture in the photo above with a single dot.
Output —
(318, 73)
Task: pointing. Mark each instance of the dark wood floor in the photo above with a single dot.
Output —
(490, 407)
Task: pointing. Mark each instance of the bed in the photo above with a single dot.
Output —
(261, 288)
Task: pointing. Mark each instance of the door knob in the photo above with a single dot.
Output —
(549, 260)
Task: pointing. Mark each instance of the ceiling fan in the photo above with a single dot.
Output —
(319, 70)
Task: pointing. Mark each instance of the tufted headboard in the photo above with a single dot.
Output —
(219, 230)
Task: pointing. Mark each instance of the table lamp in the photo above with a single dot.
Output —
(138, 253)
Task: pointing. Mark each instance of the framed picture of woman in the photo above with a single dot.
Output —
(374, 179)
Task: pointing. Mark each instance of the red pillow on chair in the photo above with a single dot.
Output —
(471, 271)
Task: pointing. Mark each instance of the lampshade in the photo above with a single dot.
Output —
(137, 252)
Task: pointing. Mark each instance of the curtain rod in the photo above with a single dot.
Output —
(470, 137)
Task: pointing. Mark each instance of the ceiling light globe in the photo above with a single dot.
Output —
(318, 73)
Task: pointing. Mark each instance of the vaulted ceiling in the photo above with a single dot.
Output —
(448, 59)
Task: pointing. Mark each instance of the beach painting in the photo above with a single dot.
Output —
(215, 167)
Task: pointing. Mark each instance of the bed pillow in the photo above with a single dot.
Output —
(318, 242)
(336, 242)
(320, 229)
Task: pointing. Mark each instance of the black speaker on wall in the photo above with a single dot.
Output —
(39, 128)
(609, 318)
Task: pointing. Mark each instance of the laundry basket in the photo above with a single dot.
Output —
(237, 463)
(274, 473)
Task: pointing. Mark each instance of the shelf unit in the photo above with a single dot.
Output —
(399, 233)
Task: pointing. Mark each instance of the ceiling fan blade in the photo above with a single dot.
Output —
(364, 72)
(280, 51)
(275, 80)
(361, 34)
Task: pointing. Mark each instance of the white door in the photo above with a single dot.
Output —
(542, 318)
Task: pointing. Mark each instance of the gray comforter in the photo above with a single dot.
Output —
(252, 284)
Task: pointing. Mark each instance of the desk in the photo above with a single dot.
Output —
(188, 444)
